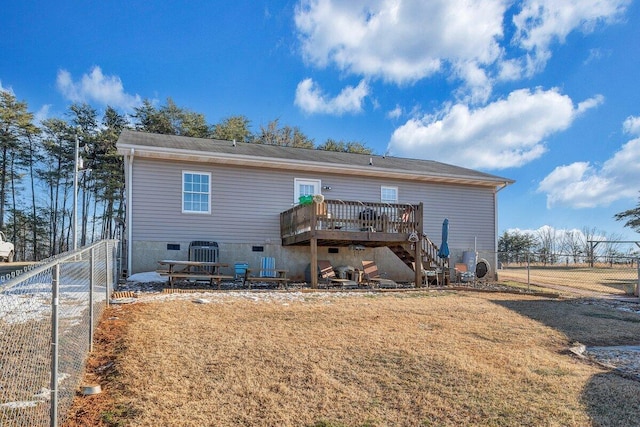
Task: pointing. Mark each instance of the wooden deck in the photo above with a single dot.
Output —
(344, 223)
(339, 223)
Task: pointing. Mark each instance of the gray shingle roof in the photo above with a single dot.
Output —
(212, 147)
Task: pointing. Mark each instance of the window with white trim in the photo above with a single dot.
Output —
(196, 192)
(305, 187)
(388, 194)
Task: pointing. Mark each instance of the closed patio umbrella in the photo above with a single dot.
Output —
(443, 252)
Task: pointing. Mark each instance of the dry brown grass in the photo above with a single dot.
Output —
(402, 359)
(617, 280)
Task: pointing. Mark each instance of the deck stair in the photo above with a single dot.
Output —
(430, 258)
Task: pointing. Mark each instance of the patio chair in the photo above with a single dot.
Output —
(463, 274)
(239, 269)
(429, 277)
(372, 277)
(328, 276)
(267, 266)
(267, 274)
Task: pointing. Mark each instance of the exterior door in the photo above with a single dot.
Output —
(305, 187)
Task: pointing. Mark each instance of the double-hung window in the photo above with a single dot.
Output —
(196, 192)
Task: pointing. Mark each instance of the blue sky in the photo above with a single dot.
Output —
(543, 92)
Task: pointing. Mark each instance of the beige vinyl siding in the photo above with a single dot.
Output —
(242, 210)
(246, 204)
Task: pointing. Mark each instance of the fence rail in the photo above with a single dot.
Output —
(47, 318)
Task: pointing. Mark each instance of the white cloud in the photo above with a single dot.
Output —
(577, 185)
(405, 41)
(540, 23)
(590, 103)
(507, 133)
(596, 55)
(584, 185)
(42, 114)
(95, 86)
(631, 125)
(311, 99)
(509, 70)
(395, 113)
(402, 42)
(478, 84)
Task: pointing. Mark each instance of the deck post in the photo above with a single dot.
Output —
(418, 262)
(418, 245)
(313, 265)
(313, 246)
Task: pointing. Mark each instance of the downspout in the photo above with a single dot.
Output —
(495, 209)
(129, 185)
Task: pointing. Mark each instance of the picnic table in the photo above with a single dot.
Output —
(193, 270)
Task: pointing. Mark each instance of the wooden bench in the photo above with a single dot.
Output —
(214, 279)
(279, 277)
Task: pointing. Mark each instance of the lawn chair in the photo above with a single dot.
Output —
(267, 274)
(328, 276)
(267, 266)
(429, 277)
(372, 277)
(239, 269)
(463, 274)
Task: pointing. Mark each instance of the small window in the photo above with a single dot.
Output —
(305, 187)
(196, 192)
(389, 194)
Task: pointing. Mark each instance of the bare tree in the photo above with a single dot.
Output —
(612, 247)
(591, 235)
(548, 240)
(573, 244)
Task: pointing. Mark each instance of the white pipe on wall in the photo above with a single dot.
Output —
(128, 181)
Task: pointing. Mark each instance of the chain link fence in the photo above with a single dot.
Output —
(47, 318)
(590, 276)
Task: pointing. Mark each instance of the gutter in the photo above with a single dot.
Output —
(499, 188)
(504, 185)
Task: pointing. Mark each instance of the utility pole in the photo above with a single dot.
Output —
(77, 165)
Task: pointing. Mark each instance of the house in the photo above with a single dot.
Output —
(246, 198)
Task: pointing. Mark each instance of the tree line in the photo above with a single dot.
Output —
(38, 167)
(550, 246)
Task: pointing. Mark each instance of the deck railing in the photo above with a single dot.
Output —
(430, 253)
(339, 215)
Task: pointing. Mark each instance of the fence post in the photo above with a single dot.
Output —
(637, 292)
(528, 272)
(92, 269)
(108, 278)
(53, 411)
